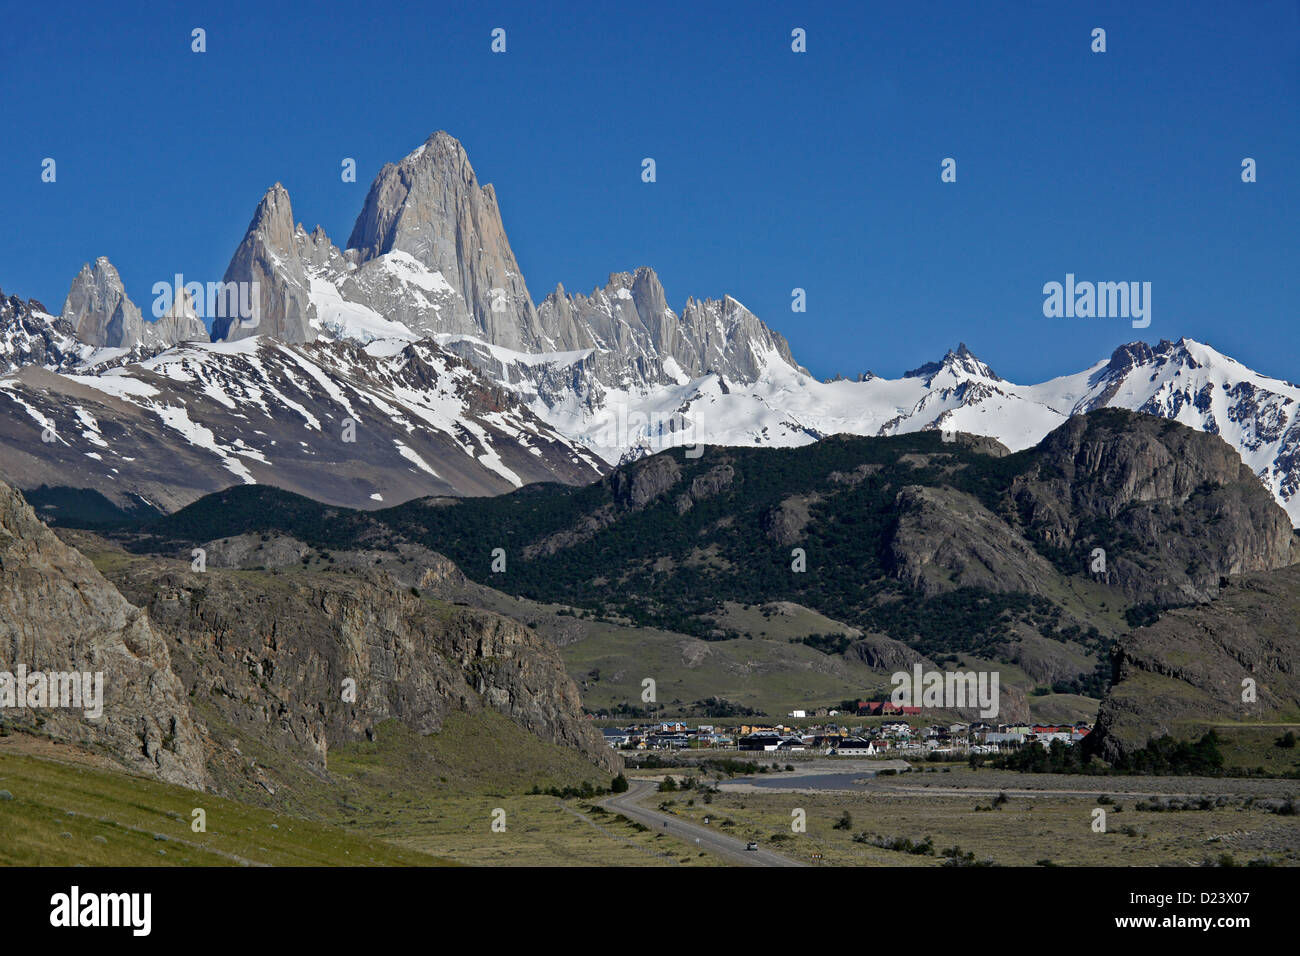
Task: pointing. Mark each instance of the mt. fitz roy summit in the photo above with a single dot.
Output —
(415, 362)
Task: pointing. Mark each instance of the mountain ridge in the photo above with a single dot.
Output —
(974, 541)
(614, 375)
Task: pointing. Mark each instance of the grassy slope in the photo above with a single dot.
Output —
(413, 795)
(1253, 747)
(403, 800)
(770, 676)
(439, 794)
(1062, 708)
(766, 673)
(63, 814)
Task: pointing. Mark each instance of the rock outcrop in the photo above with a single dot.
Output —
(431, 207)
(286, 664)
(785, 522)
(273, 655)
(635, 487)
(1173, 509)
(1236, 659)
(59, 615)
(885, 653)
(103, 315)
(29, 335)
(946, 540)
(99, 309)
(180, 323)
(268, 256)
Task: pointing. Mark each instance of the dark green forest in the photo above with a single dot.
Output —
(662, 566)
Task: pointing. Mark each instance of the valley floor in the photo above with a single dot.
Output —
(65, 806)
(1015, 819)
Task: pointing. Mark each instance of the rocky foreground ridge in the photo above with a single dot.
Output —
(1233, 660)
(264, 653)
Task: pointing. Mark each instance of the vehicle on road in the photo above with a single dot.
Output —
(751, 845)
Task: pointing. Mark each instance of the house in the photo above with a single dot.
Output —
(761, 741)
(616, 738)
(1041, 729)
(1047, 739)
(797, 713)
(856, 747)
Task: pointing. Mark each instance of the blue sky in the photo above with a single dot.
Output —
(775, 170)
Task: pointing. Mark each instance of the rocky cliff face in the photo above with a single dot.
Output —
(265, 654)
(29, 335)
(431, 207)
(271, 653)
(1185, 673)
(946, 540)
(58, 614)
(640, 341)
(1173, 509)
(103, 315)
(268, 255)
(97, 306)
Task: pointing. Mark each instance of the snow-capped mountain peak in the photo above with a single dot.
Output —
(958, 366)
(428, 293)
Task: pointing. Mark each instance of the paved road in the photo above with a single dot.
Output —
(706, 838)
(940, 790)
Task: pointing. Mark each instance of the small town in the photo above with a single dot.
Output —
(893, 738)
